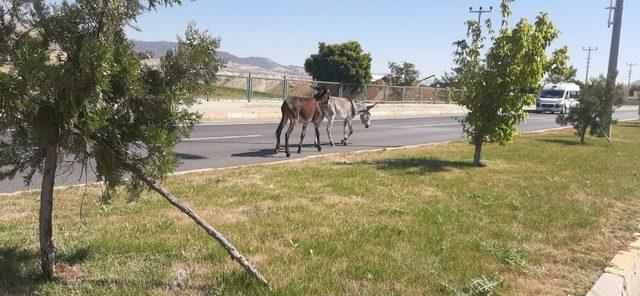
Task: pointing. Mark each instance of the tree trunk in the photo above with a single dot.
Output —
(583, 132)
(478, 151)
(233, 252)
(47, 249)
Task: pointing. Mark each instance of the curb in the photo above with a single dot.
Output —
(622, 277)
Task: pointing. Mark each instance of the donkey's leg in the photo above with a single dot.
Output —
(350, 125)
(345, 131)
(304, 131)
(329, 127)
(292, 125)
(283, 121)
(316, 125)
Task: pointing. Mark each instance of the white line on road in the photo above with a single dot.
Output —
(220, 138)
(430, 125)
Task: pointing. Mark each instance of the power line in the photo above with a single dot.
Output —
(480, 12)
(589, 49)
(612, 72)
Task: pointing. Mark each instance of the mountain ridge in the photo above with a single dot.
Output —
(252, 64)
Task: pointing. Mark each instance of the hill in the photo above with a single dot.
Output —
(257, 65)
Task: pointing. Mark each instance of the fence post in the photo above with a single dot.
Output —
(435, 96)
(419, 93)
(384, 95)
(314, 84)
(404, 89)
(249, 88)
(285, 88)
(365, 93)
(340, 91)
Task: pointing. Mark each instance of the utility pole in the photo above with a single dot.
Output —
(630, 65)
(589, 49)
(480, 12)
(612, 73)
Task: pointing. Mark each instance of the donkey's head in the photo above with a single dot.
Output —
(365, 114)
(322, 93)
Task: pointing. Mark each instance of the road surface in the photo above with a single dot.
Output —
(228, 144)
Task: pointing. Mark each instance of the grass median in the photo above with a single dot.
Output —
(544, 217)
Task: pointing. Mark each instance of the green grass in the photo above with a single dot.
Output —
(544, 217)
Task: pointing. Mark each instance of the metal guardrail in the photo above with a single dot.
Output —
(252, 87)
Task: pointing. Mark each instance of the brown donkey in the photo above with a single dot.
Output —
(303, 110)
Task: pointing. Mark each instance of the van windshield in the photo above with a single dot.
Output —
(552, 94)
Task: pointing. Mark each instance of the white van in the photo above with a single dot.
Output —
(558, 98)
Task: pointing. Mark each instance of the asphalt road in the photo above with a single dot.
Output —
(228, 144)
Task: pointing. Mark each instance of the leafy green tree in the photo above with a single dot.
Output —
(501, 80)
(586, 115)
(404, 75)
(570, 76)
(344, 62)
(634, 88)
(95, 100)
(447, 80)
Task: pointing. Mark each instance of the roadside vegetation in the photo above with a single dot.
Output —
(544, 217)
(500, 70)
(586, 116)
(217, 91)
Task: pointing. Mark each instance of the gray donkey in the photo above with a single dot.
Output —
(347, 110)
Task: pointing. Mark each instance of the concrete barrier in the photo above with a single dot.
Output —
(622, 277)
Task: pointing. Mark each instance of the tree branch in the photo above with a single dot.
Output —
(140, 174)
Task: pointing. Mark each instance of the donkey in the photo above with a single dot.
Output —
(304, 110)
(347, 110)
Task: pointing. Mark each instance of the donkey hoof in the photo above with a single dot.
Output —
(319, 149)
(332, 143)
(288, 154)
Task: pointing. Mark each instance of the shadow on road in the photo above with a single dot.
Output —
(265, 153)
(187, 156)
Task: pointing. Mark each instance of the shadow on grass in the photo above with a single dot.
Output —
(629, 124)
(20, 275)
(20, 268)
(420, 165)
(566, 142)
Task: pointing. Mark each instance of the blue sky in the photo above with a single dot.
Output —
(417, 31)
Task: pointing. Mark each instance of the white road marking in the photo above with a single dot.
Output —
(430, 125)
(220, 138)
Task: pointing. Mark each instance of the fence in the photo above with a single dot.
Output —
(260, 88)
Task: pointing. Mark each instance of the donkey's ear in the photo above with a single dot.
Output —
(371, 107)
